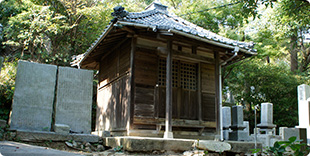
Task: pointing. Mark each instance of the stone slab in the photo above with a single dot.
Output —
(74, 99)
(1, 61)
(214, 146)
(226, 117)
(33, 97)
(149, 144)
(299, 133)
(62, 128)
(47, 136)
(243, 147)
(10, 148)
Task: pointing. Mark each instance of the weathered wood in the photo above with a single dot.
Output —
(186, 56)
(199, 93)
(132, 79)
(207, 78)
(169, 88)
(112, 106)
(194, 50)
(208, 107)
(146, 67)
(175, 122)
(141, 40)
(144, 102)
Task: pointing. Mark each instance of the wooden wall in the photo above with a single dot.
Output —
(208, 92)
(113, 90)
(150, 99)
(145, 80)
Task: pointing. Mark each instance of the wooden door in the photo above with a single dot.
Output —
(185, 94)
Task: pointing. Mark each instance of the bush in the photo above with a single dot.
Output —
(290, 147)
(7, 82)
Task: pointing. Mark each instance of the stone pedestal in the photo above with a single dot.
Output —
(33, 97)
(266, 126)
(304, 108)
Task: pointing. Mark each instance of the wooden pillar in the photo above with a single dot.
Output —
(217, 93)
(199, 93)
(132, 82)
(168, 126)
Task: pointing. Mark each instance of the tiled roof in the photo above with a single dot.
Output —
(162, 19)
(157, 16)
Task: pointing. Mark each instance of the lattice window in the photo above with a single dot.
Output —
(188, 76)
(184, 74)
(162, 73)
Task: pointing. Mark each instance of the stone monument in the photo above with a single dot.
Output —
(238, 133)
(33, 97)
(74, 99)
(226, 122)
(266, 117)
(303, 108)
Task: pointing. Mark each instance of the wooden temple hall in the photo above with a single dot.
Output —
(159, 75)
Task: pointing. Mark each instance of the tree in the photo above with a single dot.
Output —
(295, 19)
(254, 82)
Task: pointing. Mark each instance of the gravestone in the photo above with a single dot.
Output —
(266, 124)
(238, 133)
(247, 127)
(33, 97)
(303, 108)
(237, 117)
(74, 99)
(1, 61)
(226, 122)
(299, 133)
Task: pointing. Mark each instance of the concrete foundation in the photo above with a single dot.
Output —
(52, 136)
(148, 144)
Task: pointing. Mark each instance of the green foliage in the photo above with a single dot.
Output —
(254, 82)
(118, 148)
(291, 147)
(7, 87)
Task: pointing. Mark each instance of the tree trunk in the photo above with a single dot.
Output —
(293, 52)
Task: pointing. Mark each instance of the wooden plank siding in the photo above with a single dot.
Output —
(150, 99)
(113, 90)
(208, 92)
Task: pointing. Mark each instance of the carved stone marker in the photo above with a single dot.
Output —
(237, 125)
(74, 99)
(226, 122)
(1, 60)
(304, 108)
(266, 118)
(237, 117)
(33, 97)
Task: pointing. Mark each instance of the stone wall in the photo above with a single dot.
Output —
(46, 95)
